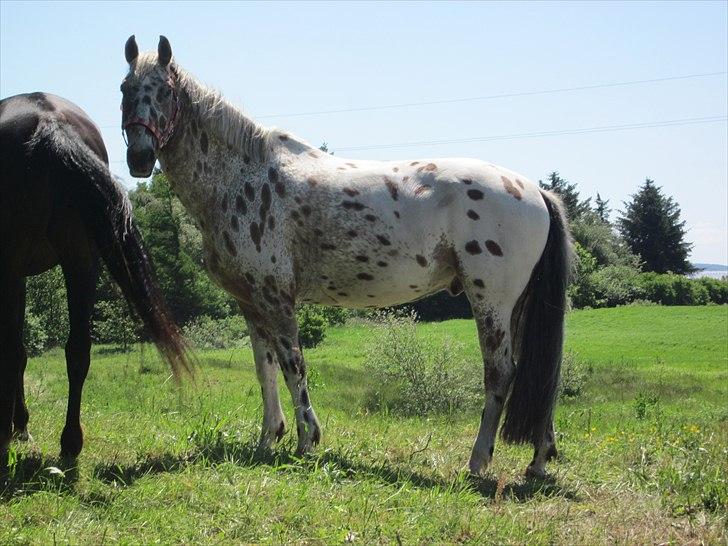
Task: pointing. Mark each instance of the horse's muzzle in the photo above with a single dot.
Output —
(140, 162)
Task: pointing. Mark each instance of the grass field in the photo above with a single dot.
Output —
(644, 450)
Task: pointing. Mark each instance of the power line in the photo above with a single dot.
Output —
(482, 98)
(513, 136)
(599, 129)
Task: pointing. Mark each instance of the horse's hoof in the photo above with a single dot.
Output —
(71, 443)
(536, 472)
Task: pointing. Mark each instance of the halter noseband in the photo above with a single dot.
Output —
(161, 137)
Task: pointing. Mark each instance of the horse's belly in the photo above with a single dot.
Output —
(381, 284)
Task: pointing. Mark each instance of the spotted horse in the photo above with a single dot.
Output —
(284, 223)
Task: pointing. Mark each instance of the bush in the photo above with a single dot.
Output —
(34, 337)
(671, 289)
(717, 289)
(574, 376)
(115, 324)
(581, 288)
(225, 333)
(312, 323)
(615, 285)
(413, 380)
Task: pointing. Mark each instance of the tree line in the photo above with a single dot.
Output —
(642, 256)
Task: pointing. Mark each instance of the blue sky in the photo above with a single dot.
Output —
(289, 58)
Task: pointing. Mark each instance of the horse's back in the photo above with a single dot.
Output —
(34, 201)
(21, 115)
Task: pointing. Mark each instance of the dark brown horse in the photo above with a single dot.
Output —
(59, 204)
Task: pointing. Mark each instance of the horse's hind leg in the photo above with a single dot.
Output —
(21, 415)
(266, 367)
(494, 333)
(293, 365)
(80, 287)
(12, 356)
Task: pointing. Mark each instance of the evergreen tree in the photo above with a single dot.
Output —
(601, 207)
(575, 208)
(652, 228)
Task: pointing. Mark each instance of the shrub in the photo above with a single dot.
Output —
(574, 376)
(34, 337)
(411, 379)
(115, 324)
(717, 289)
(312, 323)
(581, 288)
(225, 333)
(615, 285)
(671, 289)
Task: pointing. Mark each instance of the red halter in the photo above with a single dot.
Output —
(161, 136)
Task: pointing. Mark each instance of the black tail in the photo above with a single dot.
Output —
(539, 334)
(106, 211)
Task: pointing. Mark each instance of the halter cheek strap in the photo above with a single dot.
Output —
(160, 136)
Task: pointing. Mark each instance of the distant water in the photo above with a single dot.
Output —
(714, 271)
(711, 274)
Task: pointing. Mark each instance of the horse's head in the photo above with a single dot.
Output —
(149, 104)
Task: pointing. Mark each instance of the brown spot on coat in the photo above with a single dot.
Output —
(383, 240)
(365, 277)
(473, 215)
(351, 233)
(422, 189)
(312, 182)
(392, 187)
(240, 205)
(494, 248)
(473, 247)
(414, 163)
(382, 264)
(355, 205)
(351, 192)
(475, 195)
(370, 217)
(479, 283)
(395, 169)
(229, 245)
(352, 165)
(520, 184)
(249, 191)
(421, 260)
(234, 223)
(255, 235)
(327, 246)
(511, 188)
(306, 210)
(283, 138)
(361, 258)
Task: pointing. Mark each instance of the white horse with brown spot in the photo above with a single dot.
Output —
(284, 223)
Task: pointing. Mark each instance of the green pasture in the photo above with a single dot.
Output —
(643, 449)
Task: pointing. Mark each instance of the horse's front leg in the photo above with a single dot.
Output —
(266, 368)
(290, 358)
(80, 287)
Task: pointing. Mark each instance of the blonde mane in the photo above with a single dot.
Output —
(223, 119)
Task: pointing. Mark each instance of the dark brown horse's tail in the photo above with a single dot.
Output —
(106, 211)
(538, 322)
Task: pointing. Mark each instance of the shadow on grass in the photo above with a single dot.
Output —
(247, 454)
(33, 473)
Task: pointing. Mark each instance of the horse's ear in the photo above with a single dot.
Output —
(164, 51)
(131, 50)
